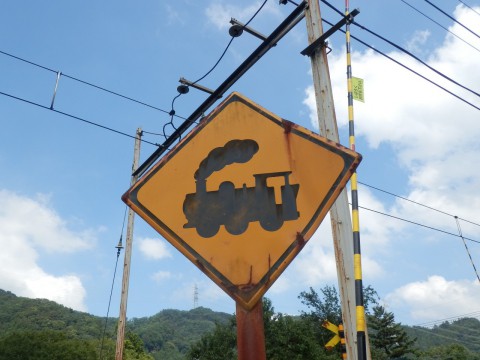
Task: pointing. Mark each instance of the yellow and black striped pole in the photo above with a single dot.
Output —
(357, 265)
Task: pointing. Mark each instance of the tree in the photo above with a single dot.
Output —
(220, 344)
(134, 348)
(387, 336)
(45, 345)
(449, 352)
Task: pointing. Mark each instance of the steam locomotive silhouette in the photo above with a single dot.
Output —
(235, 208)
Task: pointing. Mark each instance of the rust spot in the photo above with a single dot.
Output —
(300, 240)
(287, 126)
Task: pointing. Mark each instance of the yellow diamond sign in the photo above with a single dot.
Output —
(242, 193)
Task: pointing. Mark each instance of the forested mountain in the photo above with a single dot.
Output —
(166, 335)
(54, 332)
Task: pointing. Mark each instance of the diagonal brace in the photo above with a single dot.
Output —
(310, 49)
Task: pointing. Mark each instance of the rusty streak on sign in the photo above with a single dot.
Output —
(242, 193)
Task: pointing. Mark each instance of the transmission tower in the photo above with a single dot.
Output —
(195, 296)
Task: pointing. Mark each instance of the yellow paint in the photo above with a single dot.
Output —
(360, 315)
(355, 220)
(246, 258)
(332, 342)
(357, 266)
(353, 181)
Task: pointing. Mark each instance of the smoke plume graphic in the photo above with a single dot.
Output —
(234, 151)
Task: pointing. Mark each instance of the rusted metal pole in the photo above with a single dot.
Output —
(339, 212)
(250, 333)
(128, 255)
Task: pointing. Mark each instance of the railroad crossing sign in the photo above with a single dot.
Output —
(242, 193)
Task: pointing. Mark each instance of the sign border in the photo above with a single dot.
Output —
(248, 295)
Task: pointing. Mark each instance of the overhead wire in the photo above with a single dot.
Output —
(172, 111)
(405, 51)
(474, 314)
(119, 247)
(417, 203)
(73, 117)
(466, 248)
(452, 18)
(436, 22)
(87, 83)
(468, 6)
(406, 67)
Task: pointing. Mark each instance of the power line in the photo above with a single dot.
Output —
(74, 117)
(474, 314)
(436, 22)
(468, 6)
(466, 248)
(87, 83)
(172, 111)
(418, 224)
(119, 247)
(451, 18)
(407, 68)
(417, 203)
(404, 51)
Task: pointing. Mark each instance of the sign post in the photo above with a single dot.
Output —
(241, 195)
(250, 332)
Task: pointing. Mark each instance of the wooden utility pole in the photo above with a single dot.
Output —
(128, 255)
(340, 211)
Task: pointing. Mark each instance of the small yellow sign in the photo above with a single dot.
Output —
(357, 89)
(242, 193)
(336, 338)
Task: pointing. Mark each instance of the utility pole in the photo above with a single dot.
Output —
(339, 212)
(128, 255)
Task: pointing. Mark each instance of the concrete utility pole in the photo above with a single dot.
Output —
(128, 255)
(340, 211)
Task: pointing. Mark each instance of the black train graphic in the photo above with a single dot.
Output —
(234, 207)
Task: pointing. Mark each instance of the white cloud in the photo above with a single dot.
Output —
(219, 14)
(435, 140)
(160, 276)
(434, 135)
(419, 39)
(27, 226)
(437, 298)
(154, 249)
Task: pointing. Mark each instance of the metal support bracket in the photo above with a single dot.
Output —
(238, 27)
(195, 85)
(320, 42)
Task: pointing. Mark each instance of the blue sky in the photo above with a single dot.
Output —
(62, 179)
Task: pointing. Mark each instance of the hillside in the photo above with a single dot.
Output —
(168, 333)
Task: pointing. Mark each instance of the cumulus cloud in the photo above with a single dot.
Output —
(436, 298)
(154, 249)
(434, 134)
(27, 226)
(435, 140)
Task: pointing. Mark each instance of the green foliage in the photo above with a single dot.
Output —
(465, 332)
(449, 352)
(41, 329)
(22, 314)
(387, 336)
(45, 345)
(174, 331)
(220, 344)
